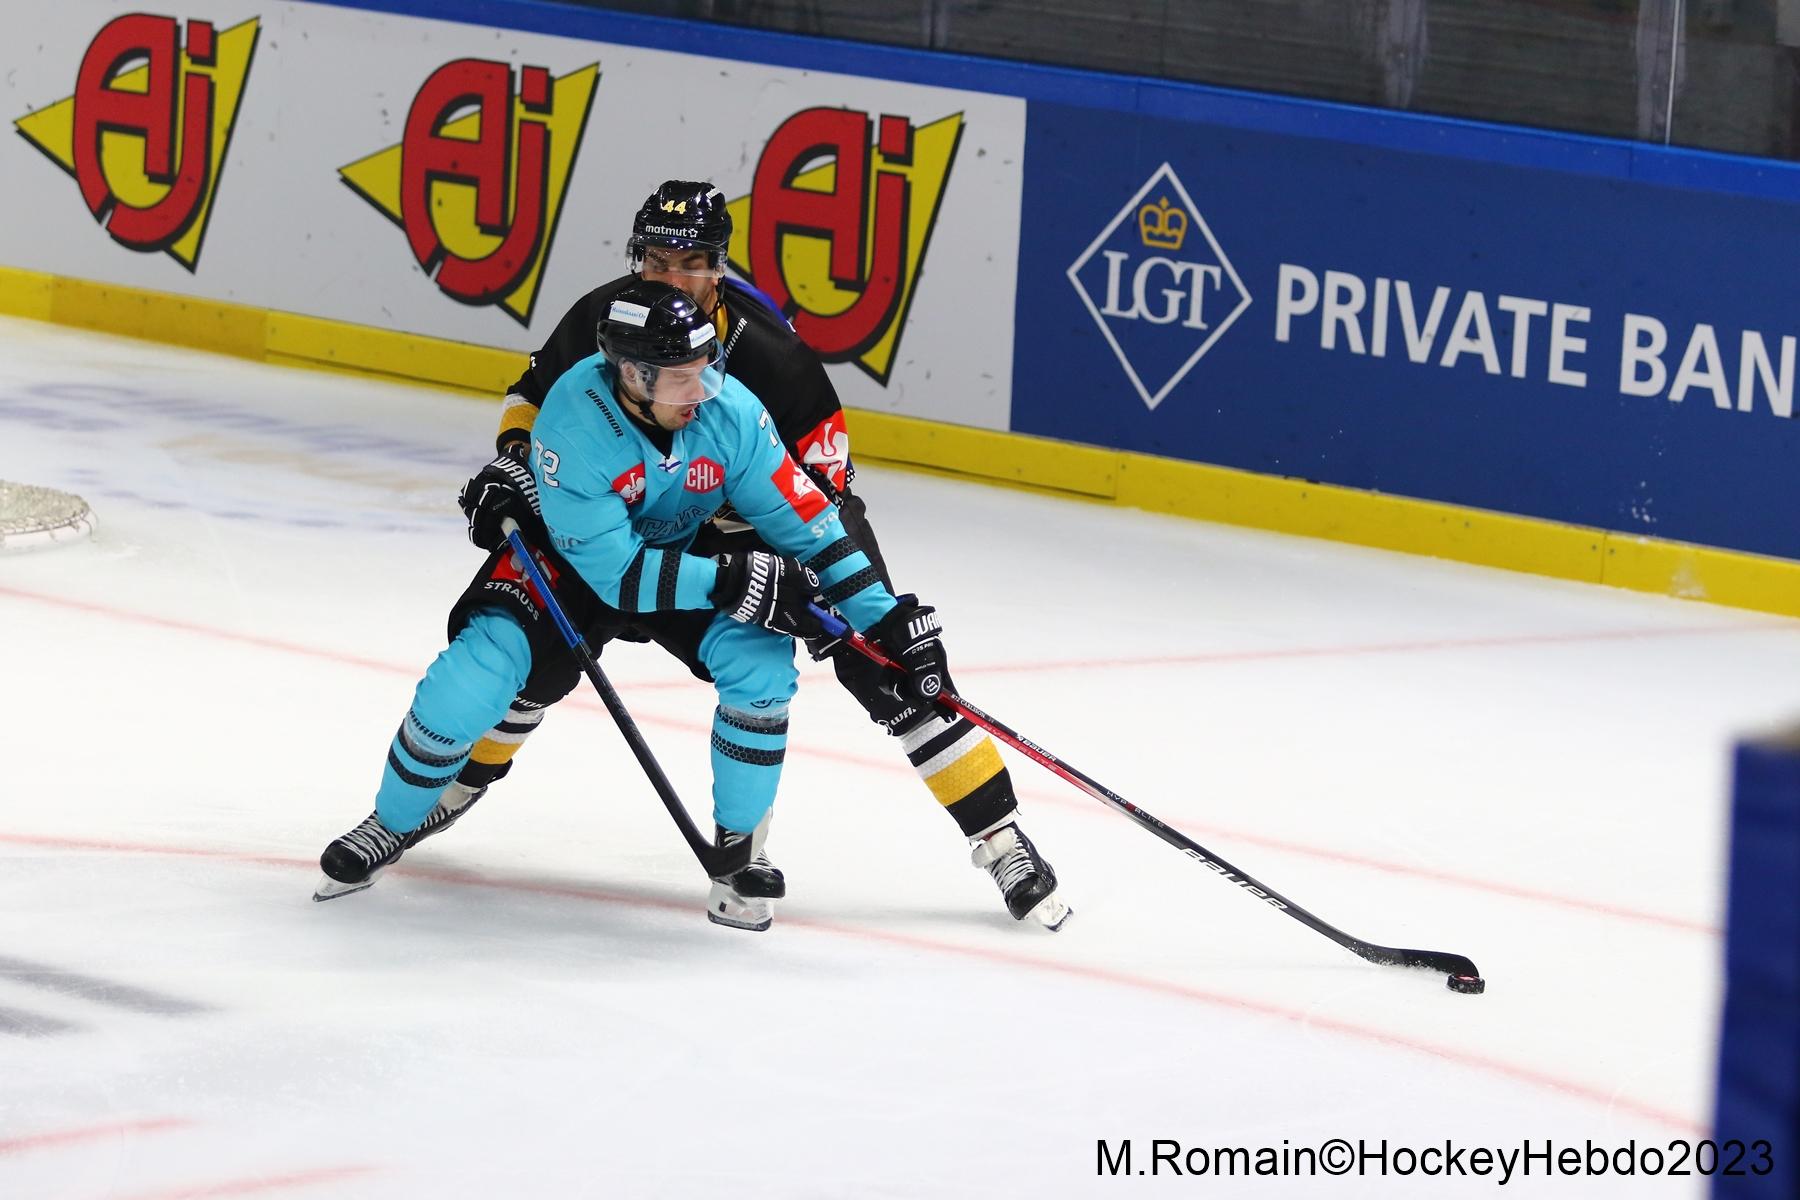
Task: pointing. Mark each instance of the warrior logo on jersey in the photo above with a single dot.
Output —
(477, 182)
(827, 448)
(704, 475)
(802, 493)
(1159, 286)
(836, 225)
(631, 484)
(146, 132)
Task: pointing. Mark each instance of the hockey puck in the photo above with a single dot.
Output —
(1468, 985)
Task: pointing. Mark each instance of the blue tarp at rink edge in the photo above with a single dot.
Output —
(1759, 1049)
(1203, 249)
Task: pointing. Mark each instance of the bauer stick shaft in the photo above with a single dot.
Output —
(1455, 966)
(590, 666)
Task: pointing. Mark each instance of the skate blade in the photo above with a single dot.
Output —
(726, 907)
(331, 889)
(735, 923)
(1051, 913)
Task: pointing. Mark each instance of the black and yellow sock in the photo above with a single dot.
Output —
(962, 767)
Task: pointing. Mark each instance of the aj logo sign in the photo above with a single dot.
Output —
(477, 183)
(836, 224)
(1159, 286)
(146, 132)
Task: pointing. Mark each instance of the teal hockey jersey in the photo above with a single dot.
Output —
(622, 512)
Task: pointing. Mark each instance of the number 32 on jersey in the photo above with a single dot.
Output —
(547, 460)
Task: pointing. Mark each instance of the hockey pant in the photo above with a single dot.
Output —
(472, 686)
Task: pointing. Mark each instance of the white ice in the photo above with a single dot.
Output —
(1530, 772)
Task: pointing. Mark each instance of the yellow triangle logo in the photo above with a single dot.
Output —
(479, 261)
(143, 208)
(804, 257)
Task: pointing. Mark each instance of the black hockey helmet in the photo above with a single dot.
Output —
(657, 327)
(685, 215)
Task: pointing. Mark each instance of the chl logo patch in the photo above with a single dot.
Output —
(1159, 286)
(146, 132)
(836, 225)
(704, 475)
(631, 483)
(477, 183)
(802, 493)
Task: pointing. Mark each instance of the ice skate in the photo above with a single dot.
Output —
(746, 898)
(725, 905)
(354, 861)
(456, 800)
(1025, 880)
(761, 878)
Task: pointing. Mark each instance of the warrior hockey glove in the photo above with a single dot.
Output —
(760, 588)
(909, 636)
(504, 488)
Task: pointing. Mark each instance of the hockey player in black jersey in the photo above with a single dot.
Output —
(681, 236)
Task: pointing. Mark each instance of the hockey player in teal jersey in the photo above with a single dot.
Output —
(680, 235)
(636, 448)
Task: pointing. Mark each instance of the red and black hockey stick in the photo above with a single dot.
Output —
(703, 849)
(1459, 972)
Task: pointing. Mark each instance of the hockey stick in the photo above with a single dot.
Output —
(1460, 973)
(703, 849)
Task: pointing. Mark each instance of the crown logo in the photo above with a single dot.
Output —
(1162, 225)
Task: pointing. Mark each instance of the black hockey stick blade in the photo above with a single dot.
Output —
(1454, 967)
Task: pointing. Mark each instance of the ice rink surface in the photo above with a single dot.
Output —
(1530, 772)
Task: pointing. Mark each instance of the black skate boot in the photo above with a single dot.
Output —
(352, 862)
(1025, 880)
(470, 785)
(455, 800)
(761, 878)
(745, 899)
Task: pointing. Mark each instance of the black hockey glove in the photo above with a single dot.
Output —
(504, 488)
(761, 588)
(909, 636)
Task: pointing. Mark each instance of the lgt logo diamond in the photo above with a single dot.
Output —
(1159, 286)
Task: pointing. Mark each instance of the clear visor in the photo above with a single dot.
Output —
(673, 262)
(688, 384)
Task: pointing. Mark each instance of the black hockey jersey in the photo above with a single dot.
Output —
(761, 351)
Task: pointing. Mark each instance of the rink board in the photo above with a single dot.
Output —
(1545, 335)
(1412, 333)
(457, 182)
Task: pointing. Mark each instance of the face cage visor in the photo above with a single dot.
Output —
(666, 260)
(688, 384)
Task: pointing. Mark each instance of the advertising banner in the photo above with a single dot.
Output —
(1557, 344)
(470, 183)
(1528, 323)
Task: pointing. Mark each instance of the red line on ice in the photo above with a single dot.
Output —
(249, 1185)
(257, 640)
(1492, 1066)
(89, 1133)
(893, 765)
(1352, 651)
